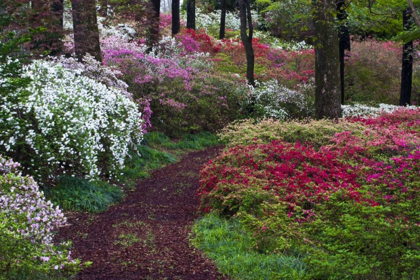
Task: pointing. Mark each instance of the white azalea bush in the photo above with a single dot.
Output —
(273, 100)
(66, 123)
(361, 110)
(27, 223)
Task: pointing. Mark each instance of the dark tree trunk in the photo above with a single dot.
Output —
(153, 33)
(223, 20)
(407, 63)
(175, 17)
(103, 11)
(246, 22)
(191, 14)
(344, 39)
(327, 61)
(57, 9)
(85, 27)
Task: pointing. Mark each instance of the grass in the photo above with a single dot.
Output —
(230, 245)
(77, 194)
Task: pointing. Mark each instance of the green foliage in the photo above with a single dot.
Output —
(77, 194)
(290, 20)
(231, 246)
(373, 72)
(357, 241)
(19, 257)
(316, 132)
(27, 225)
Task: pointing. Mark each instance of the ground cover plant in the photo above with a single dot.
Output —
(347, 203)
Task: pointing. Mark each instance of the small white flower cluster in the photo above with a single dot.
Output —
(94, 69)
(276, 99)
(208, 20)
(123, 30)
(69, 122)
(359, 110)
(27, 214)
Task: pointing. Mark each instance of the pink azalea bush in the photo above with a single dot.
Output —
(177, 86)
(27, 225)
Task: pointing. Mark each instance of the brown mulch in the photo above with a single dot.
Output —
(146, 236)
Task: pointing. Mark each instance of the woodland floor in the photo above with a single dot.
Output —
(146, 236)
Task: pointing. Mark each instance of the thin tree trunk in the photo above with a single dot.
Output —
(327, 61)
(416, 16)
(175, 17)
(223, 21)
(153, 33)
(56, 44)
(246, 22)
(344, 39)
(407, 62)
(191, 14)
(85, 27)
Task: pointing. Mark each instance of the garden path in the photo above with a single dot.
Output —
(146, 236)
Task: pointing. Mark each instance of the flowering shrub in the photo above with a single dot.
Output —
(296, 174)
(180, 88)
(277, 101)
(27, 223)
(373, 72)
(66, 122)
(360, 110)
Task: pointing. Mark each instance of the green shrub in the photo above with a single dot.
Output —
(358, 241)
(316, 132)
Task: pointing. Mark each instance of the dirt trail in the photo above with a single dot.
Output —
(146, 236)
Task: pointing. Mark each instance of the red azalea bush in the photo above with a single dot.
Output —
(296, 174)
(288, 67)
(350, 207)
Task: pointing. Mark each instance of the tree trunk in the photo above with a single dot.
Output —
(246, 21)
(175, 17)
(327, 61)
(85, 28)
(223, 20)
(344, 38)
(407, 63)
(56, 44)
(191, 14)
(153, 32)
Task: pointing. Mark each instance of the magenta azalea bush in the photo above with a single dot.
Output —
(27, 225)
(177, 86)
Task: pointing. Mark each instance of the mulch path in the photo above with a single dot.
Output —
(146, 236)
